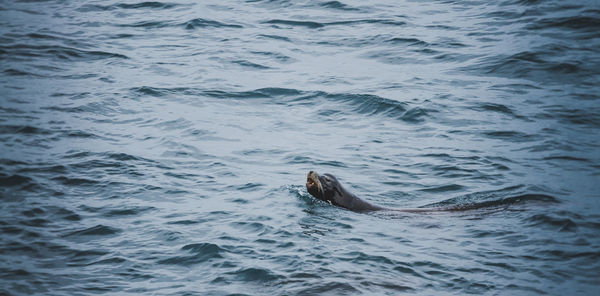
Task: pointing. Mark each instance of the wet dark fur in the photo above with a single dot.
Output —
(328, 188)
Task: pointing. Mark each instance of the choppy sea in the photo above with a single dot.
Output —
(161, 148)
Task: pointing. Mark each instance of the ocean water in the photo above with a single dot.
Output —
(161, 148)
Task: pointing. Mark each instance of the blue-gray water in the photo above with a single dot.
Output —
(161, 148)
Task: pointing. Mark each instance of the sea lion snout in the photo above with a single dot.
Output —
(311, 179)
(313, 184)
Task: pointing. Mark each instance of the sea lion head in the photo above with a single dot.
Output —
(322, 187)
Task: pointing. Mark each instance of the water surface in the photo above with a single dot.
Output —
(162, 147)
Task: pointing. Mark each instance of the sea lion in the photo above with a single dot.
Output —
(328, 188)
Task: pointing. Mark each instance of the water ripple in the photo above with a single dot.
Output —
(201, 252)
(94, 231)
(155, 147)
(132, 6)
(58, 52)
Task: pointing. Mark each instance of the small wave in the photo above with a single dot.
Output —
(329, 288)
(276, 91)
(538, 64)
(163, 91)
(23, 129)
(512, 136)
(269, 92)
(274, 55)
(558, 223)
(149, 4)
(529, 2)
(123, 157)
(408, 41)
(255, 275)
(249, 64)
(248, 187)
(562, 255)
(252, 227)
(75, 181)
(140, 5)
(444, 188)
(362, 258)
(204, 23)
(151, 91)
(37, 222)
(406, 268)
(110, 261)
(202, 252)
(303, 159)
(83, 257)
(494, 107)
(13, 180)
(389, 285)
(15, 72)
(60, 52)
(102, 160)
(12, 162)
(185, 222)
(368, 21)
(68, 215)
(306, 24)
(338, 6)
(415, 115)
(276, 37)
(235, 95)
(587, 117)
(98, 230)
(13, 274)
(127, 212)
(204, 248)
(567, 158)
(33, 212)
(150, 24)
(20, 248)
(317, 25)
(11, 110)
(472, 201)
(78, 134)
(372, 104)
(453, 171)
(93, 108)
(42, 36)
(579, 23)
(366, 104)
(297, 190)
(392, 57)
